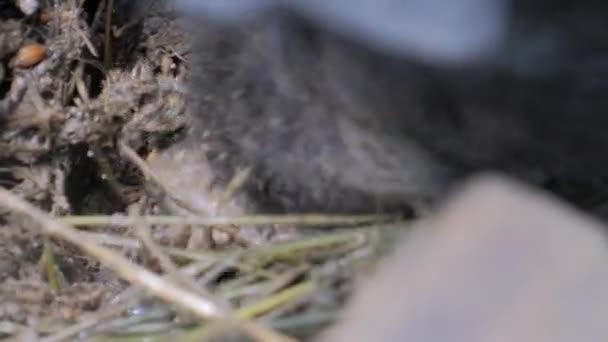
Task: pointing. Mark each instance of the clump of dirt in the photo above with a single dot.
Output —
(68, 95)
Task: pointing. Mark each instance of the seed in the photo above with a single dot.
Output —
(29, 55)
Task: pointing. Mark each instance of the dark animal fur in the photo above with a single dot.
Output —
(333, 126)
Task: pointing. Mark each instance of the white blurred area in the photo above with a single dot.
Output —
(436, 31)
(499, 263)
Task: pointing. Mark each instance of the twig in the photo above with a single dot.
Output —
(48, 260)
(142, 230)
(304, 220)
(294, 249)
(107, 51)
(235, 184)
(290, 295)
(115, 240)
(296, 292)
(285, 279)
(308, 319)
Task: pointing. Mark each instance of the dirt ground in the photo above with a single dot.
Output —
(90, 102)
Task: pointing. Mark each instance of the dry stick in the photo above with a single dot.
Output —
(48, 260)
(290, 294)
(305, 219)
(107, 51)
(115, 240)
(142, 230)
(286, 278)
(235, 184)
(153, 283)
(297, 292)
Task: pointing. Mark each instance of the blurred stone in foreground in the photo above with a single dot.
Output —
(498, 263)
